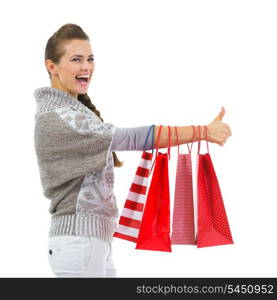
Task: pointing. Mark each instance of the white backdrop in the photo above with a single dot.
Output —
(156, 62)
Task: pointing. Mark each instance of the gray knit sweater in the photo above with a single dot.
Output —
(74, 154)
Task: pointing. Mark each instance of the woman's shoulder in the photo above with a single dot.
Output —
(77, 119)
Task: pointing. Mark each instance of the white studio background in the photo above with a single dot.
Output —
(157, 62)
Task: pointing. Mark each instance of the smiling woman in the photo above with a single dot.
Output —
(65, 74)
(81, 226)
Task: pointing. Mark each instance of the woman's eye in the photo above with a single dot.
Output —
(74, 59)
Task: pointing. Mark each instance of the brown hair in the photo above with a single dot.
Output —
(54, 50)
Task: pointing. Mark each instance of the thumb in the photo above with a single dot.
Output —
(220, 115)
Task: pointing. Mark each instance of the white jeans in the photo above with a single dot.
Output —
(80, 256)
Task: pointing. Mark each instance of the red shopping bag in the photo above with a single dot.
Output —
(131, 215)
(183, 228)
(213, 226)
(155, 225)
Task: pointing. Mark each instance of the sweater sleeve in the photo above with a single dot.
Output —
(123, 139)
(70, 144)
(136, 138)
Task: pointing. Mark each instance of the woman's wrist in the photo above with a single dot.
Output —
(199, 136)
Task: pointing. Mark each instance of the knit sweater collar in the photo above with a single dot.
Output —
(48, 98)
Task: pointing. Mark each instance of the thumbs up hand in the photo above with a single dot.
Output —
(219, 132)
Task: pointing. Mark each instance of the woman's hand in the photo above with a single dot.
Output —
(218, 132)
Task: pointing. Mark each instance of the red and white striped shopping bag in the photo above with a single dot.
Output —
(131, 216)
(183, 227)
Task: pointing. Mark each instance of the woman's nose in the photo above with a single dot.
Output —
(86, 66)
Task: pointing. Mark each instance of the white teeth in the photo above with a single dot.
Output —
(83, 76)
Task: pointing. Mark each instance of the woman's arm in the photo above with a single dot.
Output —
(128, 139)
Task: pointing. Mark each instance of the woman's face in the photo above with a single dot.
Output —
(77, 60)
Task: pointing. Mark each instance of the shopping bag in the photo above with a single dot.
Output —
(130, 218)
(213, 227)
(183, 228)
(155, 225)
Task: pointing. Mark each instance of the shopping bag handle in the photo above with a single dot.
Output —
(206, 137)
(193, 127)
(158, 143)
(153, 126)
(169, 141)
(159, 204)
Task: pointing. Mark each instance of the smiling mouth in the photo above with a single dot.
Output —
(81, 79)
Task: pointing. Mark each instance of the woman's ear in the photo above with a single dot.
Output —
(51, 67)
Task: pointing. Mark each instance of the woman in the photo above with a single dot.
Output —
(76, 158)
